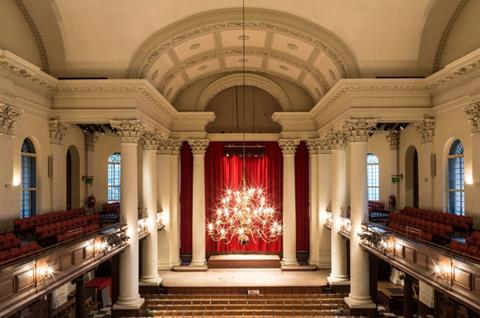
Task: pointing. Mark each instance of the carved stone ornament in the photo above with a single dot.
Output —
(164, 147)
(312, 146)
(337, 139)
(324, 146)
(9, 115)
(472, 112)
(91, 139)
(289, 146)
(175, 145)
(129, 130)
(198, 146)
(57, 131)
(358, 130)
(150, 140)
(426, 129)
(393, 139)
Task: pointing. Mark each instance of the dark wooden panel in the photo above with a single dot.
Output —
(6, 287)
(399, 250)
(421, 259)
(66, 261)
(462, 278)
(25, 280)
(410, 255)
(78, 255)
(477, 283)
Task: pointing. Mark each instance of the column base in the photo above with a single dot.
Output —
(338, 280)
(289, 262)
(164, 266)
(324, 265)
(313, 262)
(128, 304)
(150, 281)
(199, 263)
(360, 302)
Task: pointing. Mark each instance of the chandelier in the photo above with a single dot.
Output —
(244, 213)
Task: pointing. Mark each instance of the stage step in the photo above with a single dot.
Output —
(244, 261)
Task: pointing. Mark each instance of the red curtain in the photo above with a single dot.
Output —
(223, 172)
(186, 191)
(302, 198)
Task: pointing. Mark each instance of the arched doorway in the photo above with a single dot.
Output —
(73, 178)
(411, 177)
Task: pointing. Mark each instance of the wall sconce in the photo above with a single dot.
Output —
(44, 271)
(443, 269)
(468, 179)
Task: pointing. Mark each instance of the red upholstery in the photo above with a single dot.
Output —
(460, 222)
(29, 224)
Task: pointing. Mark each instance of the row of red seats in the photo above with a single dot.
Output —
(422, 235)
(460, 222)
(77, 232)
(472, 250)
(111, 207)
(19, 251)
(8, 241)
(29, 224)
(376, 206)
(50, 230)
(474, 238)
(439, 229)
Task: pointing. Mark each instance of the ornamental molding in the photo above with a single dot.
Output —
(238, 80)
(288, 146)
(312, 146)
(129, 130)
(318, 146)
(91, 139)
(150, 140)
(426, 129)
(198, 146)
(175, 146)
(36, 35)
(57, 131)
(393, 139)
(164, 147)
(472, 112)
(336, 139)
(9, 115)
(359, 129)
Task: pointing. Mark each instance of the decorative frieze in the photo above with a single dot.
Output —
(91, 139)
(426, 129)
(57, 131)
(198, 146)
(129, 130)
(393, 139)
(359, 129)
(150, 140)
(472, 112)
(336, 139)
(289, 146)
(9, 115)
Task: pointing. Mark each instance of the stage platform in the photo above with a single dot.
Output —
(244, 261)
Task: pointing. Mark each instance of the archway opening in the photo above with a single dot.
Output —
(411, 177)
(73, 178)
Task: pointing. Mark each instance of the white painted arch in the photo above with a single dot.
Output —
(233, 80)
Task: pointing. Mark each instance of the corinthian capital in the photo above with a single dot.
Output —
(426, 129)
(312, 146)
(393, 139)
(198, 146)
(57, 131)
(164, 147)
(337, 139)
(289, 146)
(129, 130)
(150, 140)
(358, 129)
(9, 115)
(472, 112)
(175, 145)
(91, 139)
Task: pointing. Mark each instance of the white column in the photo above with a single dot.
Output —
(163, 199)
(198, 147)
(338, 272)
(426, 130)
(289, 147)
(59, 178)
(129, 132)
(324, 199)
(358, 131)
(393, 139)
(312, 145)
(472, 170)
(174, 218)
(90, 142)
(149, 191)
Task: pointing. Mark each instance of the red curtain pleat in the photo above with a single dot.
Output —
(302, 197)
(186, 191)
(222, 172)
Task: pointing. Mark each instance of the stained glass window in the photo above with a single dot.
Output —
(373, 177)
(113, 177)
(456, 177)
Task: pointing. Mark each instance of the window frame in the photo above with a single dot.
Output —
(454, 171)
(114, 174)
(32, 188)
(373, 172)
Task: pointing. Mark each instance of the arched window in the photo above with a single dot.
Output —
(456, 175)
(373, 180)
(28, 201)
(113, 177)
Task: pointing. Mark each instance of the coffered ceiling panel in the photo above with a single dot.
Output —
(234, 38)
(203, 68)
(195, 46)
(313, 87)
(236, 61)
(159, 68)
(281, 67)
(292, 46)
(328, 69)
(173, 86)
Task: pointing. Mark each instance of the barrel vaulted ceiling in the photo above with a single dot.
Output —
(176, 43)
